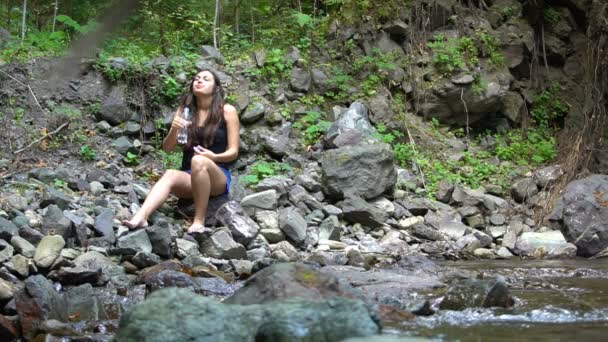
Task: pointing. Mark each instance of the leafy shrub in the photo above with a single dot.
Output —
(548, 107)
(263, 169)
(88, 153)
(171, 160)
(313, 127)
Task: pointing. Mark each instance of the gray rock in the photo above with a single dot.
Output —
(277, 142)
(211, 53)
(267, 219)
(6, 251)
(7, 229)
(253, 113)
(273, 235)
(550, 243)
(242, 228)
(174, 315)
(114, 108)
(38, 302)
(355, 118)
(55, 222)
(143, 260)
(300, 80)
(56, 197)
(132, 128)
(220, 245)
(444, 193)
(123, 145)
(321, 82)
(285, 252)
(474, 293)
(547, 175)
(104, 225)
(523, 189)
(425, 232)
(292, 224)
(365, 170)
(160, 239)
(95, 261)
(581, 214)
(330, 229)
(23, 247)
(19, 265)
(357, 210)
(134, 242)
(496, 231)
(96, 188)
(380, 107)
(512, 106)
(497, 219)
(186, 248)
(504, 253)
(265, 200)
(48, 250)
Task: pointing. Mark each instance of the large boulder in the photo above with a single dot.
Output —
(115, 108)
(355, 119)
(457, 104)
(180, 315)
(582, 214)
(364, 170)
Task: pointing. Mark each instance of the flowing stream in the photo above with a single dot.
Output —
(555, 301)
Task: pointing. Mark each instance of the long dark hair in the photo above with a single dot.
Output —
(214, 117)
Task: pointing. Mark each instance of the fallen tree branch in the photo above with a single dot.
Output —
(43, 137)
(28, 88)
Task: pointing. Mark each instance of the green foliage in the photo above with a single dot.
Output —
(479, 84)
(171, 160)
(276, 66)
(59, 184)
(313, 127)
(131, 159)
(491, 49)
(534, 149)
(383, 135)
(551, 15)
(351, 11)
(549, 107)
(303, 19)
(508, 12)
(36, 44)
(454, 54)
(451, 55)
(171, 88)
(88, 153)
(264, 169)
(377, 65)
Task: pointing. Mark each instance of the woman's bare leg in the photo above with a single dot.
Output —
(174, 181)
(207, 180)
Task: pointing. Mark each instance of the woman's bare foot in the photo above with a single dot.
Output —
(136, 222)
(196, 228)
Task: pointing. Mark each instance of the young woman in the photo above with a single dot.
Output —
(213, 142)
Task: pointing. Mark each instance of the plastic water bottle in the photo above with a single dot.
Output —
(182, 135)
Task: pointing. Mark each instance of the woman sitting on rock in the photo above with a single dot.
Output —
(213, 142)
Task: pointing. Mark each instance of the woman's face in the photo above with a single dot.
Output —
(203, 83)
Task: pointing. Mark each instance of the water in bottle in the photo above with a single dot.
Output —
(182, 135)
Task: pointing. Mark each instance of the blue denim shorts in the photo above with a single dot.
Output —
(228, 178)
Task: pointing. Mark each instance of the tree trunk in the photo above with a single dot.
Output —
(55, 14)
(237, 19)
(23, 20)
(252, 22)
(216, 24)
(8, 15)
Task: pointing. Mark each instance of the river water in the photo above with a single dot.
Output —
(555, 301)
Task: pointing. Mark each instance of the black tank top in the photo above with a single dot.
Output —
(219, 145)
